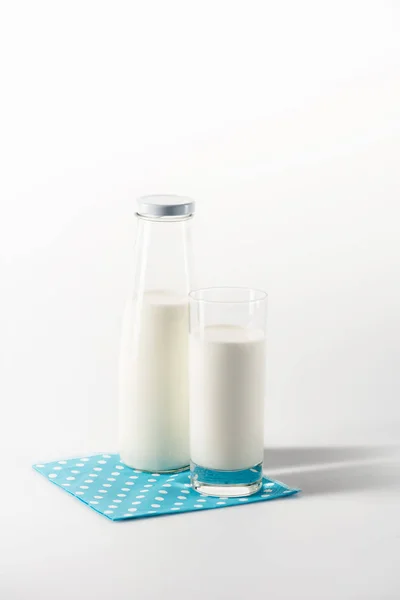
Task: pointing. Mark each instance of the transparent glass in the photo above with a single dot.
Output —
(153, 378)
(227, 390)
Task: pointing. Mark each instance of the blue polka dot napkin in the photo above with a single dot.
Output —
(118, 492)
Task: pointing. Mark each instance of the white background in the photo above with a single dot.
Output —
(283, 121)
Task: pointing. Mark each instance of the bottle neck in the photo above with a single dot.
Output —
(163, 255)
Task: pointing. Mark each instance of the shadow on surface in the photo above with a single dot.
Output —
(278, 458)
(344, 478)
(314, 472)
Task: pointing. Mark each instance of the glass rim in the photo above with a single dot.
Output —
(261, 294)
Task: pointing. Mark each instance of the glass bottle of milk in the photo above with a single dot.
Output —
(153, 380)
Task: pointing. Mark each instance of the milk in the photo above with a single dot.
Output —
(154, 411)
(227, 368)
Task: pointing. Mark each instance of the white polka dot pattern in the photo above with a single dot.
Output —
(138, 494)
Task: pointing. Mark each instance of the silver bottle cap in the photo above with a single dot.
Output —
(165, 206)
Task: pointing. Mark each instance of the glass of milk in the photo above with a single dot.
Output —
(153, 379)
(227, 389)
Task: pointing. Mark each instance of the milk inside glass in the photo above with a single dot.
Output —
(154, 411)
(227, 396)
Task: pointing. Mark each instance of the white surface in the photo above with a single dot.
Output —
(339, 540)
(282, 120)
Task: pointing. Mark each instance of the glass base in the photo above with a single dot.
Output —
(229, 484)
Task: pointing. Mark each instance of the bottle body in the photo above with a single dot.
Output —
(154, 384)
